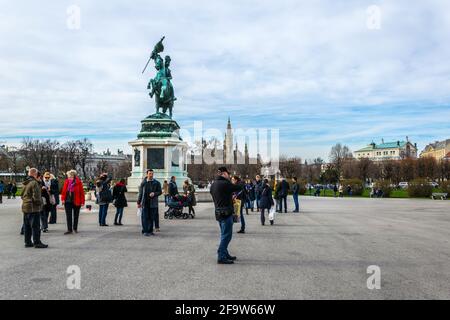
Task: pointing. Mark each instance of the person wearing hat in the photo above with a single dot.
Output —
(222, 193)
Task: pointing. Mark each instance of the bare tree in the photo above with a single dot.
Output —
(338, 155)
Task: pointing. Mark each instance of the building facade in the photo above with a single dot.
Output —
(438, 150)
(97, 162)
(388, 151)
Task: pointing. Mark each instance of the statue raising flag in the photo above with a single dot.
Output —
(160, 86)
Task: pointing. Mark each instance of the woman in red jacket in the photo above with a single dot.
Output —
(72, 197)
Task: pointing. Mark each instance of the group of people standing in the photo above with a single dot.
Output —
(9, 190)
(41, 197)
(260, 192)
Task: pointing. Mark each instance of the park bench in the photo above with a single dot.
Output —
(441, 195)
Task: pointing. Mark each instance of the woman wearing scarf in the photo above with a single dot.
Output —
(120, 201)
(72, 197)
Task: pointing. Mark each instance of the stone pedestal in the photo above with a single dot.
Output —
(158, 147)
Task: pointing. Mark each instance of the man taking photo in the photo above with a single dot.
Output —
(222, 193)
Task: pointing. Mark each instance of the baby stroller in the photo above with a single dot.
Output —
(176, 205)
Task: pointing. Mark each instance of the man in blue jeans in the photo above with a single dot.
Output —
(295, 191)
(149, 191)
(222, 193)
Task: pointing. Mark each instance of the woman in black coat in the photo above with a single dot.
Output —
(120, 201)
(266, 201)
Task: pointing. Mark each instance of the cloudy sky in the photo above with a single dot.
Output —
(321, 71)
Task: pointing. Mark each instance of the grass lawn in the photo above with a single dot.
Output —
(397, 193)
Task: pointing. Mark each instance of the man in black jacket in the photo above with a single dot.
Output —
(173, 189)
(222, 193)
(283, 190)
(149, 191)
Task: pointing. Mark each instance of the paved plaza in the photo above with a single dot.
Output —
(321, 253)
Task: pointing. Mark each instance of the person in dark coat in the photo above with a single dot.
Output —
(119, 200)
(2, 189)
(222, 193)
(104, 197)
(295, 192)
(45, 184)
(14, 190)
(250, 190)
(283, 190)
(189, 191)
(54, 193)
(258, 189)
(242, 196)
(266, 201)
(173, 188)
(149, 191)
(8, 190)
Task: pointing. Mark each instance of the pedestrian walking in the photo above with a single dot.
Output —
(250, 190)
(335, 190)
(166, 193)
(149, 191)
(295, 192)
(54, 199)
(241, 196)
(14, 190)
(72, 198)
(8, 190)
(341, 191)
(189, 191)
(31, 208)
(2, 189)
(258, 189)
(222, 193)
(119, 201)
(104, 197)
(266, 201)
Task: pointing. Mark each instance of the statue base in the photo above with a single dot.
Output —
(159, 147)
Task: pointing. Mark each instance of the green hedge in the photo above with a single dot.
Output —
(356, 184)
(419, 188)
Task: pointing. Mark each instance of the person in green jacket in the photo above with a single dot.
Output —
(31, 208)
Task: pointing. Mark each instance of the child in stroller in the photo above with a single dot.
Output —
(176, 205)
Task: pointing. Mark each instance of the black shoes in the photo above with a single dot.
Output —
(271, 222)
(241, 231)
(40, 246)
(104, 225)
(67, 232)
(29, 245)
(232, 258)
(225, 261)
(45, 230)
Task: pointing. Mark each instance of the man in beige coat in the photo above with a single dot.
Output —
(31, 208)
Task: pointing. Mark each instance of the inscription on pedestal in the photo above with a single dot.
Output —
(155, 158)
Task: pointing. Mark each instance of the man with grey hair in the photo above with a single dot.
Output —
(31, 208)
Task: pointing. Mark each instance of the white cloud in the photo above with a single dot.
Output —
(304, 64)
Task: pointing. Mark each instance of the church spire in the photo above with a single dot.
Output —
(229, 123)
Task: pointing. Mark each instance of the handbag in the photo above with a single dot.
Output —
(223, 213)
(237, 210)
(272, 214)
